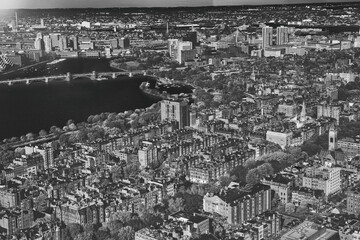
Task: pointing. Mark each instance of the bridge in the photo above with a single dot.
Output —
(95, 76)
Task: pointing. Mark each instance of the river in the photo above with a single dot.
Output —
(30, 108)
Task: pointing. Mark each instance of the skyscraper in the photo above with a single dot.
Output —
(172, 47)
(55, 39)
(39, 44)
(75, 42)
(48, 43)
(63, 43)
(182, 48)
(267, 34)
(124, 42)
(39, 35)
(191, 37)
(176, 110)
(282, 35)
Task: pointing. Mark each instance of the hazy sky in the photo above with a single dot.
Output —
(9, 4)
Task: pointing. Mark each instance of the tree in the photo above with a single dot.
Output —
(114, 226)
(74, 229)
(126, 233)
(176, 205)
(42, 133)
(30, 136)
(253, 176)
(225, 181)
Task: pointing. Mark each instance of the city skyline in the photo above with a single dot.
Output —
(24, 4)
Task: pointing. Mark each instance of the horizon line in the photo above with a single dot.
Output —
(196, 6)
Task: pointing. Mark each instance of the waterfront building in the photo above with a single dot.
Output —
(48, 43)
(177, 110)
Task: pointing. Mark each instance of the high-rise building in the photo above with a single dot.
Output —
(39, 44)
(63, 43)
(39, 35)
(74, 42)
(282, 35)
(55, 39)
(124, 43)
(239, 205)
(267, 35)
(48, 43)
(147, 154)
(42, 22)
(353, 200)
(172, 47)
(327, 110)
(191, 37)
(325, 178)
(176, 110)
(183, 49)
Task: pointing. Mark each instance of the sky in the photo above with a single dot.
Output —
(15, 4)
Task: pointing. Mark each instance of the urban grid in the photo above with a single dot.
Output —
(261, 139)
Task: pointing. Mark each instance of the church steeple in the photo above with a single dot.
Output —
(253, 75)
(303, 112)
(332, 138)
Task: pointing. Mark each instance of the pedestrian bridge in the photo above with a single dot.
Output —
(96, 76)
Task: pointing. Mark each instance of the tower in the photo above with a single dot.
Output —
(253, 75)
(332, 138)
(282, 35)
(16, 20)
(303, 112)
(267, 34)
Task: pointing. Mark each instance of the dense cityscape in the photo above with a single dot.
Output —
(254, 133)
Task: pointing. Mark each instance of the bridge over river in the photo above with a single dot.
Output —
(96, 76)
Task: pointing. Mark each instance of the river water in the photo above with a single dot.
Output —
(30, 108)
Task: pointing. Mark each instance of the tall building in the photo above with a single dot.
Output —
(184, 52)
(172, 47)
(147, 154)
(42, 23)
(325, 178)
(39, 35)
(39, 44)
(191, 37)
(239, 205)
(267, 35)
(350, 146)
(48, 43)
(74, 42)
(353, 200)
(282, 35)
(332, 138)
(55, 39)
(177, 110)
(328, 110)
(124, 43)
(63, 43)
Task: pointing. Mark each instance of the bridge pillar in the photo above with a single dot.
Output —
(144, 73)
(93, 75)
(10, 83)
(68, 77)
(114, 75)
(27, 81)
(130, 74)
(46, 80)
